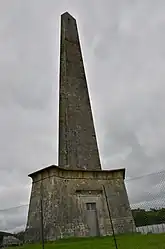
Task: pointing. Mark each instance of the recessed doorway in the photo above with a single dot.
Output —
(91, 218)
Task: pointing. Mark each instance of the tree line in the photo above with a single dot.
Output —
(153, 216)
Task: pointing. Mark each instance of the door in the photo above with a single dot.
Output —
(91, 219)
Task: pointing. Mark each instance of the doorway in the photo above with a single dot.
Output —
(91, 218)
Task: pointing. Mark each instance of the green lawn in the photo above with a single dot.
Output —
(152, 241)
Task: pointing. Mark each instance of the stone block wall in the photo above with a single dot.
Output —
(77, 137)
(65, 194)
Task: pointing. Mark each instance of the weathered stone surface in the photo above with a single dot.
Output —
(77, 140)
(65, 194)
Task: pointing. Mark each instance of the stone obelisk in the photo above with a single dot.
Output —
(77, 139)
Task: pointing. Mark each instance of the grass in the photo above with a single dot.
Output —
(137, 241)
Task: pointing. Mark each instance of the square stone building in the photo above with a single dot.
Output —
(76, 198)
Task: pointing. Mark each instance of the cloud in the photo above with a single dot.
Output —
(123, 49)
(146, 191)
(14, 219)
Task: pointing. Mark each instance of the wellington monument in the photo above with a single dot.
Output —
(77, 196)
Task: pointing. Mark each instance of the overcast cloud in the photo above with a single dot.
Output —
(124, 55)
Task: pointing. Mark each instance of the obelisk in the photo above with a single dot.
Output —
(77, 139)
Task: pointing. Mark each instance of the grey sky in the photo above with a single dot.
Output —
(124, 55)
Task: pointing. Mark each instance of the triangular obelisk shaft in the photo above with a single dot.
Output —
(77, 139)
